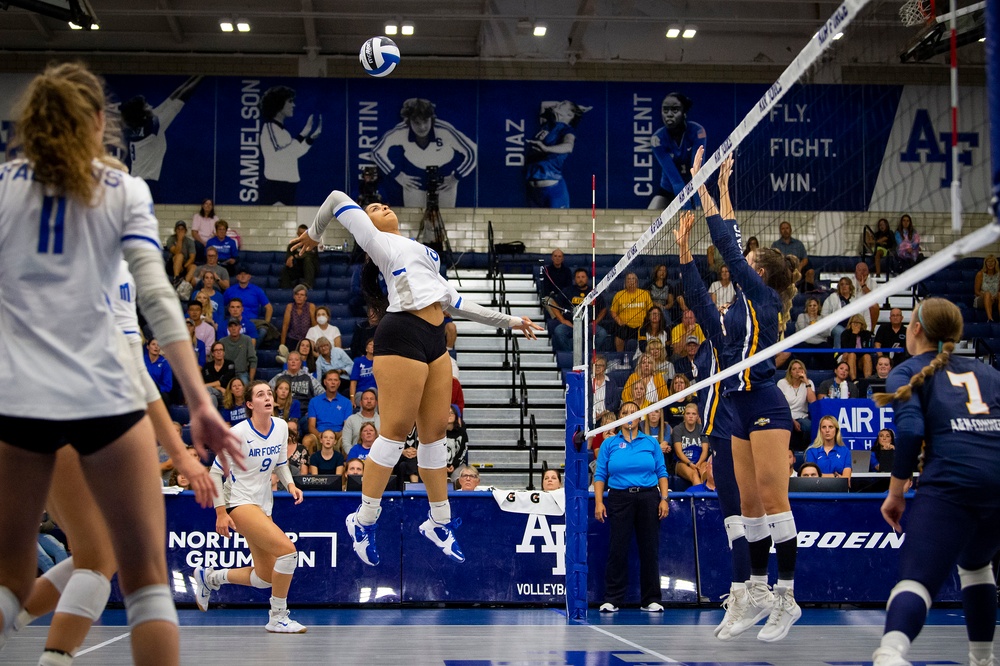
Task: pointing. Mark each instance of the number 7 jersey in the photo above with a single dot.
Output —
(264, 453)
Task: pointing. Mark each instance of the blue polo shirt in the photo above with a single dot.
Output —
(330, 414)
(253, 297)
(160, 372)
(834, 462)
(623, 464)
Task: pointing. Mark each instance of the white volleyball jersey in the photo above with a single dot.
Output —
(264, 453)
(146, 153)
(281, 153)
(446, 143)
(122, 299)
(59, 358)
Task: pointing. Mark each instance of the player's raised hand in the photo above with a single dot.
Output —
(699, 158)
(209, 430)
(303, 243)
(528, 327)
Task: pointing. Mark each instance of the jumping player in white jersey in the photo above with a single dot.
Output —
(412, 366)
(245, 506)
(65, 370)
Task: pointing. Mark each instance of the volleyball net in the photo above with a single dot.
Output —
(829, 154)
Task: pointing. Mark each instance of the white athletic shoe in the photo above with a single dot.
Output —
(608, 607)
(784, 614)
(989, 661)
(747, 612)
(734, 602)
(280, 623)
(653, 608)
(363, 537)
(443, 536)
(887, 656)
(202, 588)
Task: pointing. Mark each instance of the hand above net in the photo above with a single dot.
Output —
(684, 223)
(707, 202)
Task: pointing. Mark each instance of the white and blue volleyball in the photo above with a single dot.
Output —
(379, 56)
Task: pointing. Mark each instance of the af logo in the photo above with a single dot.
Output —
(553, 540)
(927, 146)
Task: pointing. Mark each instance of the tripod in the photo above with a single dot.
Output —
(432, 232)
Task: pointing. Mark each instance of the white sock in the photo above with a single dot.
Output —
(441, 512)
(787, 584)
(218, 578)
(369, 510)
(24, 618)
(738, 587)
(759, 579)
(896, 640)
(278, 604)
(50, 658)
(980, 651)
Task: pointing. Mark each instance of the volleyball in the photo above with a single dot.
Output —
(379, 56)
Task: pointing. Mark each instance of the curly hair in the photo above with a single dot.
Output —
(273, 100)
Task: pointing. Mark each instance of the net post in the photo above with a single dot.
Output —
(993, 92)
(577, 482)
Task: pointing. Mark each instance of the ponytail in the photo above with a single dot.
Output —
(371, 289)
(905, 392)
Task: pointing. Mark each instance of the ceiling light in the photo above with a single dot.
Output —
(407, 29)
(540, 30)
(673, 32)
(838, 36)
(689, 32)
(243, 25)
(391, 28)
(226, 25)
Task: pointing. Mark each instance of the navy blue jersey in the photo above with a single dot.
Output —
(676, 159)
(547, 166)
(751, 322)
(955, 419)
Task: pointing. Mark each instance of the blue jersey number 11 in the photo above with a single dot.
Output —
(52, 225)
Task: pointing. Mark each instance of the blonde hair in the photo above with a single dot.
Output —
(788, 372)
(228, 400)
(311, 442)
(859, 319)
(56, 127)
(996, 266)
(837, 439)
(645, 426)
(941, 323)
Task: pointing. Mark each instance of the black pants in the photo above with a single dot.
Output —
(628, 513)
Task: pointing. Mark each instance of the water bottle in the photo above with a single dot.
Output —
(833, 390)
(870, 392)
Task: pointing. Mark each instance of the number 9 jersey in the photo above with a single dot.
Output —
(264, 453)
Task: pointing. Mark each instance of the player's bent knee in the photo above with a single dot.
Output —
(257, 581)
(152, 603)
(972, 577)
(86, 594)
(913, 587)
(60, 574)
(286, 564)
(433, 455)
(385, 451)
(782, 526)
(735, 529)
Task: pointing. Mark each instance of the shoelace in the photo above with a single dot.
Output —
(782, 603)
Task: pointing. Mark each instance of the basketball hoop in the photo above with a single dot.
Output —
(916, 12)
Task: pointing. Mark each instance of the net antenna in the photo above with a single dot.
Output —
(916, 12)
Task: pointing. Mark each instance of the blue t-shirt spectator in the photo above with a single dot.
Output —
(359, 452)
(227, 248)
(253, 297)
(363, 374)
(834, 462)
(199, 352)
(330, 413)
(161, 373)
(234, 415)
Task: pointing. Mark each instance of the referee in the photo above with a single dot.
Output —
(631, 465)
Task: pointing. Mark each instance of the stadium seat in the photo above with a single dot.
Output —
(179, 413)
(266, 374)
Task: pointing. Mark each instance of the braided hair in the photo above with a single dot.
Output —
(780, 273)
(941, 322)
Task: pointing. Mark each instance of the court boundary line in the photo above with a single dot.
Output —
(661, 657)
(94, 648)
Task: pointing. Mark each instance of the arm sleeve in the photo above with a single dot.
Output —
(463, 307)
(216, 474)
(909, 419)
(284, 474)
(697, 298)
(340, 206)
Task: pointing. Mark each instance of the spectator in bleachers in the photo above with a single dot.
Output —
(722, 291)
(828, 451)
(203, 226)
(884, 451)
(809, 316)
(863, 283)
(328, 460)
(329, 357)
(752, 245)
(892, 336)
(866, 243)
(228, 250)
(247, 327)
(561, 312)
(679, 335)
(551, 480)
(838, 386)
(300, 316)
(159, 370)
(217, 372)
(368, 413)
(204, 328)
(286, 407)
(298, 455)
(907, 243)
(240, 351)
(254, 300)
(635, 392)
(876, 382)
(885, 246)
(791, 246)
(323, 328)
(800, 392)
(180, 249)
(299, 269)
(556, 276)
(330, 410)
(662, 292)
(353, 467)
(675, 413)
(690, 445)
(234, 402)
(835, 301)
(654, 425)
(661, 362)
(628, 310)
(197, 345)
(457, 442)
(791, 463)
(857, 337)
(304, 386)
(212, 266)
(406, 469)
(607, 394)
(654, 384)
(362, 375)
(987, 286)
(655, 326)
(364, 331)
(468, 478)
(809, 471)
(708, 475)
(366, 438)
(212, 304)
(305, 350)
(685, 365)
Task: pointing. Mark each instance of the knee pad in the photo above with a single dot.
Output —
(86, 594)
(734, 529)
(385, 452)
(755, 528)
(60, 574)
(152, 603)
(911, 586)
(10, 606)
(974, 577)
(433, 455)
(258, 582)
(781, 526)
(286, 564)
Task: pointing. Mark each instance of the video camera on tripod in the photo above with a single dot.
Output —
(368, 186)
(432, 181)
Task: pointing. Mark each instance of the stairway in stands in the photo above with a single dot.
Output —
(492, 411)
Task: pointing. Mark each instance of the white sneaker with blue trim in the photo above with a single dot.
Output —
(443, 536)
(202, 588)
(280, 623)
(363, 537)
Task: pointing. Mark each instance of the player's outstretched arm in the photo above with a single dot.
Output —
(707, 202)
